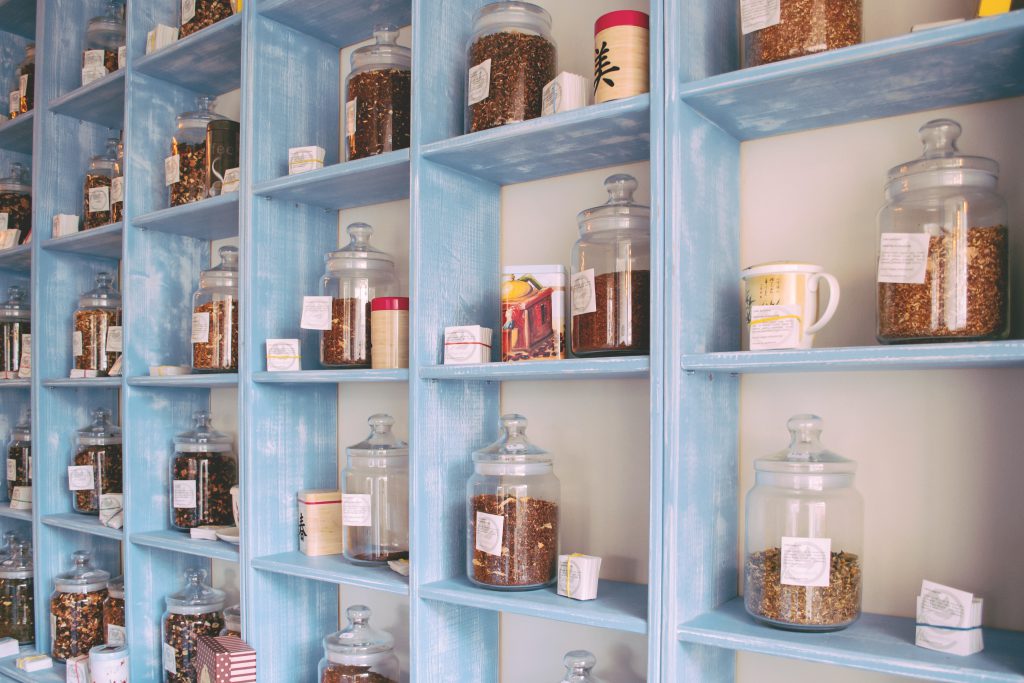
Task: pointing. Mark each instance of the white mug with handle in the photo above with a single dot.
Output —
(780, 305)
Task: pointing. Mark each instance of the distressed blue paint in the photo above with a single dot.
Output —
(16, 134)
(11, 672)
(101, 101)
(331, 376)
(18, 17)
(17, 258)
(15, 384)
(21, 515)
(207, 381)
(209, 219)
(570, 368)
(334, 22)
(207, 62)
(87, 524)
(373, 180)
(104, 241)
(333, 569)
(181, 542)
(83, 382)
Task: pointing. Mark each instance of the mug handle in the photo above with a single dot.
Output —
(833, 299)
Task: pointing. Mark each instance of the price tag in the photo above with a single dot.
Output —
(350, 117)
(316, 313)
(81, 478)
(99, 199)
(479, 82)
(172, 170)
(115, 339)
(76, 343)
(117, 190)
(583, 299)
(183, 493)
(201, 328)
(356, 509)
(489, 530)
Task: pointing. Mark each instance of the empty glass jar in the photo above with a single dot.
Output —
(215, 316)
(192, 612)
(16, 202)
(203, 471)
(185, 171)
(512, 513)
(104, 37)
(17, 602)
(578, 664)
(96, 466)
(102, 171)
(804, 536)
(359, 653)
(76, 608)
(15, 328)
(113, 613)
(19, 464)
(96, 340)
(377, 96)
(375, 496)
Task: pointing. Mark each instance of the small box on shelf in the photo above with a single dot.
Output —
(65, 224)
(578, 575)
(467, 344)
(160, 37)
(283, 355)
(225, 659)
(8, 647)
(78, 669)
(302, 159)
(948, 620)
(320, 522)
(533, 312)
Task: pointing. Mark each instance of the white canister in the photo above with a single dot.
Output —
(780, 305)
(109, 664)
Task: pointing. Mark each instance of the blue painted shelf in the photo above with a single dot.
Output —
(623, 367)
(17, 258)
(875, 642)
(86, 524)
(104, 241)
(205, 381)
(325, 20)
(101, 101)
(82, 382)
(7, 511)
(209, 219)
(16, 133)
(57, 674)
(333, 569)
(619, 606)
(592, 137)
(18, 17)
(15, 384)
(331, 376)
(208, 61)
(362, 182)
(181, 542)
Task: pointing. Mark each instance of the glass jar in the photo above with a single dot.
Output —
(19, 464)
(198, 14)
(16, 202)
(221, 154)
(356, 274)
(359, 653)
(11, 542)
(96, 201)
(232, 621)
(803, 27)
(15, 325)
(192, 612)
(215, 316)
(27, 80)
(104, 36)
(76, 608)
(944, 247)
(96, 467)
(17, 602)
(611, 275)
(113, 613)
(511, 57)
(578, 664)
(203, 471)
(186, 168)
(97, 341)
(117, 185)
(804, 536)
(512, 513)
(377, 96)
(375, 496)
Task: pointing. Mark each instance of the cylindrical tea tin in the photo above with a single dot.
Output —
(620, 55)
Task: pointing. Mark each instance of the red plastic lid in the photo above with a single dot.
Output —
(622, 17)
(390, 303)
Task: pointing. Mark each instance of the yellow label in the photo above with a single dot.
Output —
(987, 8)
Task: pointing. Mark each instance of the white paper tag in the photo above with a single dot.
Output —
(903, 258)
(170, 654)
(183, 493)
(200, 328)
(316, 313)
(53, 626)
(774, 327)
(12, 469)
(93, 58)
(15, 102)
(489, 530)
(76, 343)
(92, 73)
(479, 82)
(115, 339)
(117, 190)
(21, 498)
(188, 13)
(122, 57)
(806, 561)
(3, 221)
(350, 117)
(25, 366)
(99, 199)
(172, 170)
(356, 510)
(758, 14)
(583, 299)
(283, 355)
(81, 478)
(112, 510)
(22, 86)
(232, 179)
(945, 606)
(115, 367)
(115, 635)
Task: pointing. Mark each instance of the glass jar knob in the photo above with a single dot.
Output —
(194, 577)
(386, 34)
(80, 558)
(939, 138)
(514, 426)
(358, 615)
(620, 187)
(228, 258)
(381, 423)
(805, 436)
(578, 664)
(360, 234)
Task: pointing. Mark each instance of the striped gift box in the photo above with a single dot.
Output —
(225, 659)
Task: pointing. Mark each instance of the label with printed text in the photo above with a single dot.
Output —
(99, 199)
(583, 299)
(115, 339)
(903, 258)
(758, 14)
(201, 327)
(489, 530)
(188, 13)
(356, 510)
(172, 170)
(806, 561)
(76, 343)
(774, 327)
(117, 190)
(183, 493)
(81, 478)
(350, 117)
(479, 82)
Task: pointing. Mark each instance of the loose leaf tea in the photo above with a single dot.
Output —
(11, 332)
(18, 208)
(191, 185)
(208, 12)
(77, 623)
(342, 673)
(105, 461)
(18, 457)
(17, 604)
(94, 219)
(529, 543)
(805, 27)
(113, 615)
(182, 632)
(214, 474)
(348, 340)
(521, 65)
(382, 103)
(220, 351)
(621, 321)
(27, 102)
(837, 604)
(93, 326)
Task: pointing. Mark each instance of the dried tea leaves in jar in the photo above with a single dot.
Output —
(181, 634)
(620, 320)
(836, 604)
(17, 208)
(348, 340)
(96, 201)
(219, 351)
(381, 99)
(198, 14)
(191, 184)
(347, 673)
(520, 65)
(105, 461)
(92, 332)
(529, 541)
(805, 27)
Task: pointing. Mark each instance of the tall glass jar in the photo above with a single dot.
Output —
(198, 14)
(185, 169)
(96, 200)
(511, 56)
(104, 36)
(27, 80)
(17, 602)
(192, 612)
(801, 27)
(611, 275)
(19, 464)
(359, 653)
(117, 185)
(96, 466)
(96, 340)
(16, 202)
(215, 316)
(15, 326)
(804, 536)
(113, 613)
(578, 664)
(356, 274)
(375, 496)
(377, 96)
(203, 471)
(76, 608)
(512, 513)
(944, 247)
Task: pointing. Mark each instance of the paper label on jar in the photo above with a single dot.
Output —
(93, 58)
(350, 117)
(122, 56)
(99, 199)
(806, 561)
(316, 313)
(201, 328)
(188, 13)
(583, 299)
(903, 258)
(489, 530)
(93, 73)
(21, 498)
(479, 82)
(25, 366)
(115, 635)
(758, 14)
(117, 190)
(774, 327)
(172, 170)
(76, 343)
(115, 339)
(3, 221)
(81, 478)
(12, 469)
(15, 102)
(170, 659)
(22, 86)
(356, 510)
(183, 493)
(53, 626)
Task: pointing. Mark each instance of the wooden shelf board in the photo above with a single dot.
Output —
(101, 101)
(334, 569)
(621, 367)
(194, 381)
(104, 241)
(209, 61)
(331, 376)
(334, 24)
(16, 133)
(181, 542)
(374, 180)
(7, 511)
(17, 258)
(875, 642)
(86, 524)
(210, 219)
(57, 674)
(79, 383)
(19, 17)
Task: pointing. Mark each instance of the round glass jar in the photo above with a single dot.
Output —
(377, 96)
(192, 612)
(15, 323)
(215, 316)
(375, 496)
(356, 274)
(232, 621)
(96, 466)
(113, 613)
(195, 15)
(17, 602)
(104, 36)
(98, 179)
(27, 80)
(19, 464)
(944, 247)
(512, 513)
(511, 56)
(96, 340)
(804, 27)
(16, 201)
(188, 181)
(117, 185)
(11, 542)
(611, 275)
(203, 471)
(578, 664)
(359, 653)
(804, 536)
(76, 608)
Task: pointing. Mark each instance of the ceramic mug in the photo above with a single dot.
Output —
(780, 305)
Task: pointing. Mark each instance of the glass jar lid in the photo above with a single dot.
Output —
(19, 565)
(620, 212)
(202, 438)
(941, 163)
(233, 618)
(225, 274)
(23, 430)
(16, 307)
(512, 15)
(198, 119)
(11, 541)
(19, 182)
(106, 160)
(381, 443)
(83, 577)
(512, 453)
(385, 52)
(806, 458)
(359, 255)
(103, 296)
(355, 642)
(108, 29)
(101, 432)
(196, 597)
(578, 664)
(115, 587)
(30, 53)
